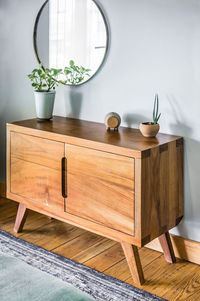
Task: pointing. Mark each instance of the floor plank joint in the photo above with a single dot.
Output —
(180, 281)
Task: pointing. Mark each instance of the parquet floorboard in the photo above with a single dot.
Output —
(177, 282)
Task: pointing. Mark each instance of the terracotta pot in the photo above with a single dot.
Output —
(149, 129)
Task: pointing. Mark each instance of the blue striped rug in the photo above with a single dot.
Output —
(96, 284)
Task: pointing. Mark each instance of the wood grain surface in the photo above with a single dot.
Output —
(100, 187)
(134, 263)
(116, 184)
(36, 183)
(22, 213)
(37, 150)
(167, 247)
(74, 131)
(175, 282)
(35, 169)
(159, 191)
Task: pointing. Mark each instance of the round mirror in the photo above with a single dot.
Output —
(71, 35)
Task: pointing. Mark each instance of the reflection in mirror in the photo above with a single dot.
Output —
(72, 30)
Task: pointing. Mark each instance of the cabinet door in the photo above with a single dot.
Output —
(100, 187)
(36, 169)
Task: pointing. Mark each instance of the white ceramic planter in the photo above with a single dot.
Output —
(44, 103)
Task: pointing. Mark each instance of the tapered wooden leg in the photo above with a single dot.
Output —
(22, 213)
(133, 260)
(167, 247)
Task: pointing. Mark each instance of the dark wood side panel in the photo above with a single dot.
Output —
(162, 191)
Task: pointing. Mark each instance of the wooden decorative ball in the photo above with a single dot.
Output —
(112, 121)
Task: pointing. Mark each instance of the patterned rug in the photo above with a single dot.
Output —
(96, 284)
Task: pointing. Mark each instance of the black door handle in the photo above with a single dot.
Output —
(64, 177)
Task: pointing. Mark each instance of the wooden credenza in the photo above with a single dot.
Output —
(116, 184)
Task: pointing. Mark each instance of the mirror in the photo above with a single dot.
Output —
(69, 35)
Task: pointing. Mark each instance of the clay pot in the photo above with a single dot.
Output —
(149, 129)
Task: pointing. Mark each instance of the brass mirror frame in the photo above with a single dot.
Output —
(35, 47)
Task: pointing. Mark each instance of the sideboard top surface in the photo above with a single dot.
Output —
(91, 131)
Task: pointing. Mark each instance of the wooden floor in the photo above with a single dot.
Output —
(180, 281)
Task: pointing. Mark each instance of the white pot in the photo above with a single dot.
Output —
(44, 103)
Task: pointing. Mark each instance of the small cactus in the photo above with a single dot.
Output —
(156, 115)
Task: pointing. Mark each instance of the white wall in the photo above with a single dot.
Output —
(155, 47)
(16, 61)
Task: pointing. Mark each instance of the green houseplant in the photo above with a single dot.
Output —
(150, 129)
(44, 82)
(75, 74)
